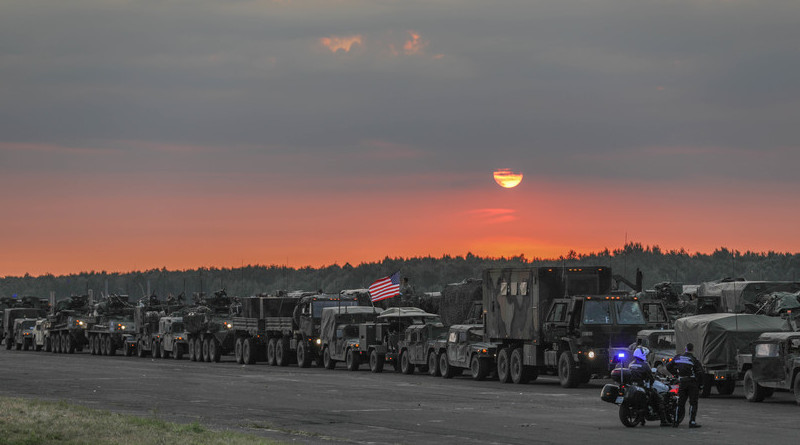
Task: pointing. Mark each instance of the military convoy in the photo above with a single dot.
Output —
(112, 320)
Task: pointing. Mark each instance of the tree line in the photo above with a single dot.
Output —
(426, 274)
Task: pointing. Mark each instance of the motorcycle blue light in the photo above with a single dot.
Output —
(621, 355)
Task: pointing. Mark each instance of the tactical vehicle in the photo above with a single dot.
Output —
(39, 335)
(171, 339)
(660, 342)
(23, 333)
(210, 327)
(11, 314)
(736, 295)
(420, 348)
(112, 322)
(564, 320)
(718, 339)
(67, 325)
(339, 334)
(466, 349)
(773, 363)
(380, 340)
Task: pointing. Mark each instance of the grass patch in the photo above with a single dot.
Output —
(24, 422)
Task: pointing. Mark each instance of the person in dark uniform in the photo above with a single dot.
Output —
(642, 374)
(690, 373)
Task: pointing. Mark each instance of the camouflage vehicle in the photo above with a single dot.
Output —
(660, 342)
(171, 339)
(773, 363)
(210, 327)
(23, 333)
(563, 320)
(380, 340)
(718, 339)
(112, 323)
(39, 335)
(339, 334)
(736, 295)
(12, 314)
(67, 325)
(466, 349)
(420, 348)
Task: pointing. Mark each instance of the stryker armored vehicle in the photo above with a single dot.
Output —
(209, 327)
(67, 325)
(112, 322)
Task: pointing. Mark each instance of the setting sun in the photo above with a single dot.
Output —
(507, 178)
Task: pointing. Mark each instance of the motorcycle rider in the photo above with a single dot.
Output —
(689, 372)
(641, 373)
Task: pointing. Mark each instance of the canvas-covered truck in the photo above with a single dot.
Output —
(556, 319)
(419, 348)
(339, 331)
(12, 314)
(772, 362)
(112, 322)
(380, 340)
(466, 348)
(718, 339)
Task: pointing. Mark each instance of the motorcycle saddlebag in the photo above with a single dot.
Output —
(609, 393)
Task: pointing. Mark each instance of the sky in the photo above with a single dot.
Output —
(197, 133)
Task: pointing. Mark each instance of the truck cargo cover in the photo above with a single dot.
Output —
(406, 312)
(717, 338)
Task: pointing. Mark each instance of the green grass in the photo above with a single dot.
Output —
(24, 422)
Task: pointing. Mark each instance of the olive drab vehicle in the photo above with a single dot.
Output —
(67, 325)
(466, 348)
(420, 348)
(339, 333)
(773, 363)
(112, 322)
(15, 313)
(209, 327)
(23, 333)
(556, 319)
(380, 340)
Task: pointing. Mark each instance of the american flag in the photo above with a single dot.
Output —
(386, 287)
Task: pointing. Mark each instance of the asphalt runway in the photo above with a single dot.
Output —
(316, 405)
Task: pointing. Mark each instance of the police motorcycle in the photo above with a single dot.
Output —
(635, 406)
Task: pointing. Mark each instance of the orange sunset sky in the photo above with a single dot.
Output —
(137, 136)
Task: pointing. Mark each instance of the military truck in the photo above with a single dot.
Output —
(339, 334)
(39, 332)
(420, 348)
(380, 340)
(773, 362)
(735, 295)
(112, 323)
(67, 325)
(23, 333)
(466, 349)
(660, 342)
(718, 339)
(557, 319)
(210, 327)
(12, 314)
(171, 339)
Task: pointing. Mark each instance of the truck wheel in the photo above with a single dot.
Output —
(444, 366)
(177, 352)
(519, 374)
(282, 352)
(479, 367)
(155, 347)
(69, 344)
(237, 351)
(91, 346)
(352, 360)
(205, 356)
(503, 370)
(112, 350)
(214, 350)
(303, 355)
(192, 350)
(753, 392)
(164, 352)
(433, 364)
(375, 362)
(48, 347)
(105, 343)
(248, 351)
(327, 361)
(726, 387)
(405, 364)
(567, 374)
(271, 347)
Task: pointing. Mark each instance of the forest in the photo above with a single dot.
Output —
(426, 274)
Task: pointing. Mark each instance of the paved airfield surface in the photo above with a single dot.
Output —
(320, 406)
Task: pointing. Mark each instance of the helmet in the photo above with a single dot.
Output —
(641, 353)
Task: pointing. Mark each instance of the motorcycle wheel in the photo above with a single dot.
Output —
(629, 416)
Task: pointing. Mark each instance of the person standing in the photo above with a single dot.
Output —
(689, 372)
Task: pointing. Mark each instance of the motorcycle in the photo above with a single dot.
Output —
(635, 406)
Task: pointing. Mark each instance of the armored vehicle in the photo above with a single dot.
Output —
(379, 340)
(23, 333)
(774, 363)
(210, 327)
(718, 339)
(112, 323)
(564, 320)
(67, 325)
(735, 295)
(339, 334)
(420, 347)
(11, 314)
(466, 349)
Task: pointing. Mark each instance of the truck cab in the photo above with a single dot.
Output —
(23, 333)
(774, 364)
(466, 349)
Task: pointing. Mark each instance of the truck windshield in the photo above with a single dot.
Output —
(319, 305)
(664, 341)
(766, 350)
(597, 312)
(28, 324)
(629, 312)
(178, 327)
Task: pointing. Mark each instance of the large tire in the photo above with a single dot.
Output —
(177, 353)
(352, 359)
(303, 355)
(753, 392)
(406, 367)
(206, 357)
(272, 345)
(503, 366)
(628, 416)
(376, 361)
(92, 346)
(433, 364)
(192, 350)
(248, 351)
(568, 375)
(282, 352)
(237, 351)
(214, 350)
(479, 367)
(164, 352)
(516, 367)
(69, 344)
(444, 366)
(726, 387)
(327, 361)
(156, 348)
(25, 344)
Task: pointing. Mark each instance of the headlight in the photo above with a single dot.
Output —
(228, 325)
(591, 354)
(318, 341)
